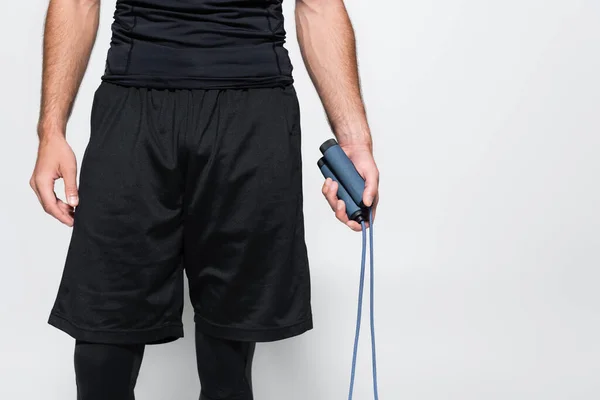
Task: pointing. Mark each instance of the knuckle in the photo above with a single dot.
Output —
(69, 173)
(40, 179)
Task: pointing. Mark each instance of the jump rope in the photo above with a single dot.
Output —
(336, 165)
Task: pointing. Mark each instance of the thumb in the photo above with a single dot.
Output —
(70, 178)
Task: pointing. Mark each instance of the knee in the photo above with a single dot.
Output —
(224, 368)
(106, 371)
(94, 357)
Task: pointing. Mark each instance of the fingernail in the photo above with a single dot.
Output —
(339, 206)
(73, 201)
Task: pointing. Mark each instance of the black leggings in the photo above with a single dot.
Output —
(109, 372)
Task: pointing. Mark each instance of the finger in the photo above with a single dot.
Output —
(69, 175)
(49, 201)
(331, 195)
(65, 208)
(340, 213)
(355, 226)
(35, 189)
(371, 186)
(325, 187)
(68, 212)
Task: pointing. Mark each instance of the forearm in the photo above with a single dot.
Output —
(327, 43)
(69, 36)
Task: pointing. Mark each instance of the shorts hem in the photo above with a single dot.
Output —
(163, 334)
(241, 334)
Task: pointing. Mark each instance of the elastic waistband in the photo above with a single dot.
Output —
(182, 82)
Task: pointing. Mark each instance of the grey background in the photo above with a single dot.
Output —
(486, 122)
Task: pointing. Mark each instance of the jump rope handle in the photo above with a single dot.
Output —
(353, 211)
(336, 165)
(339, 163)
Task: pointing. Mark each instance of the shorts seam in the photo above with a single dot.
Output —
(274, 328)
(114, 330)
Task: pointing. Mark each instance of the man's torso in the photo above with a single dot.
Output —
(198, 44)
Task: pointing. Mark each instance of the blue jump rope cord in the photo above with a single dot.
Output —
(360, 301)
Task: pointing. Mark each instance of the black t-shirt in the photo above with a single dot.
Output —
(190, 44)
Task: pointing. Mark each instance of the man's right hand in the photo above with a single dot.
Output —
(56, 160)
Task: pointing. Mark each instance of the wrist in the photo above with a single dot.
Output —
(49, 129)
(353, 132)
(354, 138)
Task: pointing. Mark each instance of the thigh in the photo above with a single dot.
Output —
(123, 275)
(245, 252)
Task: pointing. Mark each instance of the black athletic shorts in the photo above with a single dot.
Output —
(203, 181)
